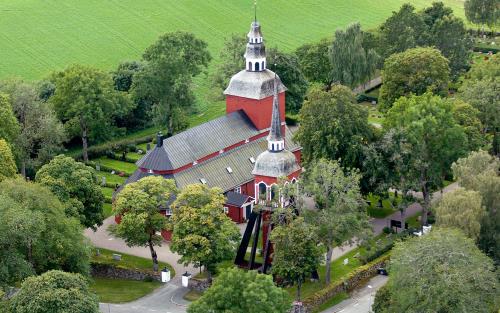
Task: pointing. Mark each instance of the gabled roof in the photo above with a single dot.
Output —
(214, 171)
(236, 199)
(197, 142)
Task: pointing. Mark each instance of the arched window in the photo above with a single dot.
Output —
(249, 66)
(262, 191)
(257, 65)
(263, 67)
(272, 146)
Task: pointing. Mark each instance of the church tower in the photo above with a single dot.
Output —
(252, 89)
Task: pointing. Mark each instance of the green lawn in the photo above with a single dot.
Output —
(111, 178)
(413, 221)
(126, 167)
(107, 209)
(128, 261)
(380, 212)
(108, 192)
(374, 115)
(121, 290)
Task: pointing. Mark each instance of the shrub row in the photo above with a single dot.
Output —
(128, 145)
(345, 284)
(114, 156)
(485, 49)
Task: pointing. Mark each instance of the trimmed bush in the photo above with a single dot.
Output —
(99, 150)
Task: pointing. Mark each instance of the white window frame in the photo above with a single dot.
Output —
(226, 210)
(168, 212)
(237, 189)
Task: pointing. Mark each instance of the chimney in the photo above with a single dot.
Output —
(159, 140)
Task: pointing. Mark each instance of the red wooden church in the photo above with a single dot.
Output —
(243, 152)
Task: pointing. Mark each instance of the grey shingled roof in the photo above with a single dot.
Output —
(253, 85)
(214, 171)
(236, 199)
(200, 141)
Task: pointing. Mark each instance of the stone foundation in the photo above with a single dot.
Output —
(199, 285)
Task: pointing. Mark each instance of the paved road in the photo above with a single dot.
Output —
(361, 299)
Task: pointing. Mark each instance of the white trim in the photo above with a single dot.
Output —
(226, 210)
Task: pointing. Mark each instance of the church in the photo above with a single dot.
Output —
(243, 152)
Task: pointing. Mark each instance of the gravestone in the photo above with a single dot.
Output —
(117, 257)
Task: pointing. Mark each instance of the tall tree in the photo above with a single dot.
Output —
(250, 293)
(231, 62)
(41, 134)
(170, 64)
(480, 172)
(9, 127)
(76, 185)
(202, 233)
(288, 68)
(482, 12)
(55, 292)
(434, 140)
(468, 117)
(461, 209)
(403, 30)
(414, 71)
(87, 103)
(139, 205)
(8, 167)
(333, 126)
(296, 253)
(484, 95)
(352, 65)
(315, 63)
(448, 34)
(35, 234)
(440, 272)
(341, 214)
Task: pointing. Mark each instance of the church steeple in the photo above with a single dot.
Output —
(275, 140)
(255, 54)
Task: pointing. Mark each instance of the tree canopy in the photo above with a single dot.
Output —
(341, 213)
(170, 64)
(55, 292)
(41, 133)
(314, 61)
(231, 62)
(249, 292)
(87, 103)
(352, 65)
(296, 253)
(35, 234)
(433, 139)
(8, 167)
(482, 12)
(139, 206)
(333, 126)
(9, 127)
(414, 71)
(440, 272)
(468, 117)
(461, 209)
(202, 233)
(75, 184)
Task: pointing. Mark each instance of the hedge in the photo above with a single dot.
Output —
(107, 169)
(345, 284)
(120, 145)
(486, 49)
(364, 97)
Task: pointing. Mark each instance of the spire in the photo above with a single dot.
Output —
(255, 54)
(275, 139)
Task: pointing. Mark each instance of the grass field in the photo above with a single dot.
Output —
(121, 290)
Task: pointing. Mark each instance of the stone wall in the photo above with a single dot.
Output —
(353, 280)
(112, 271)
(198, 284)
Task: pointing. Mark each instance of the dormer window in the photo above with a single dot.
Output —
(203, 181)
(229, 170)
(252, 160)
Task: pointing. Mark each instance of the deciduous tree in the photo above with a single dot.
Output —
(315, 63)
(35, 234)
(9, 127)
(55, 292)
(333, 126)
(341, 214)
(296, 252)
(170, 64)
(352, 65)
(249, 292)
(202, 233)
(440, 272)
(139, 205)
(468, 117)
(482, 12)
(41, 133)
(231, 62)
(433, 137)
(75, 184)
(414, 71)
(8, 167)
(461, 209)
(87, 103)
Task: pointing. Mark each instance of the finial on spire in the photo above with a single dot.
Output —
(255, 10)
